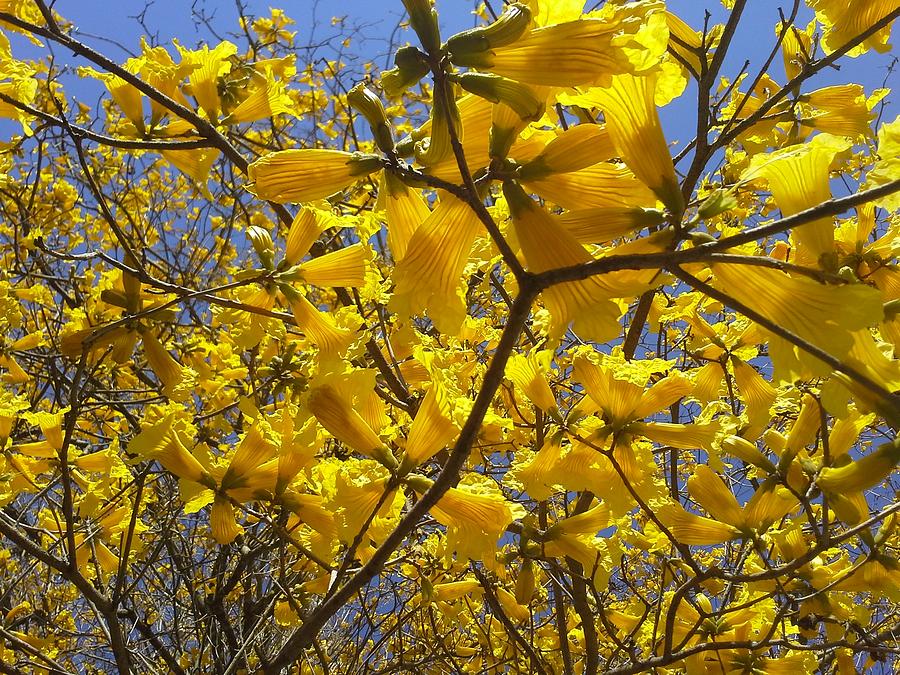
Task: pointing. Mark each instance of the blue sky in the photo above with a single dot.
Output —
(114, 27)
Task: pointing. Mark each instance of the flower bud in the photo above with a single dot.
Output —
(419, 483)
(508, 27)
(497, 89)
(369, 105)
(423, 19)
(411, 67)
(718, 202)
(747, 452)
(262, 244)
(525, 583)
(444, 117)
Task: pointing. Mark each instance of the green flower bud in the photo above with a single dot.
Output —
(497, 89)
(508, 27)
(718, 202)
(411, 67)
(423, 19)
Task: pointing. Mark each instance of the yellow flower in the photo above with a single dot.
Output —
(303, 175)
(887, 168)
(530, 375)
(332, 405)
(841, 110)
(162, 443)
(538, 475)
(576, 537)
(222, 523)
(686, 436)
(268, 97)
(432, 427)
(129, 99)
(604, 223)
(404, 211)
(687, 42)
(318, 326)
(312, 511)
(710, 492)
(475, 513)
(693, 530)
(769, 504)
(206, 66)
(600, 185)
(798, 179)
(429, 277)
(175, 378)
(344, 267)
(196, 164)
(545, 246)
(633, 123)
(757, 394)
(862, 473)
(823, 315)
(796, 48)
(454, 590)
(845, 19)
(359, 486)
(573, 53)
(51, 425)
(253, 451)
(621, 394)
(302, 234)
(576, 148)
(14, 374)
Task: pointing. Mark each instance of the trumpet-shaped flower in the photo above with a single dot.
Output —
(267, 97)
(530, 375)
(600, 185)
(862, 473)
(576, 148)
(713, 495)
(845, 19)
(798, 179)
(633, 123)
(176, 380)
(621, 394)
(335, 401)
(840, 110)
(887, 168)
(303, 175)
(344, 267)
(222, 523)
(475, 514)
(825, 316)
(602, 224)
(429, 277)
(573, 53)
(163, 443)
(206, 66)
(432, 428)
(319, 326)
(404, 211)
(758, 395)
(589, 303)
(693, 530)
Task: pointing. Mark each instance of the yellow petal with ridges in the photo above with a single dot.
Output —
(307, 174)
(712, 494)
(429, 277)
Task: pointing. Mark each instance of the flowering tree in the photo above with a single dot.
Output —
(454, 367)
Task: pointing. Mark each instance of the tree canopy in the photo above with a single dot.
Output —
(458, 366)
